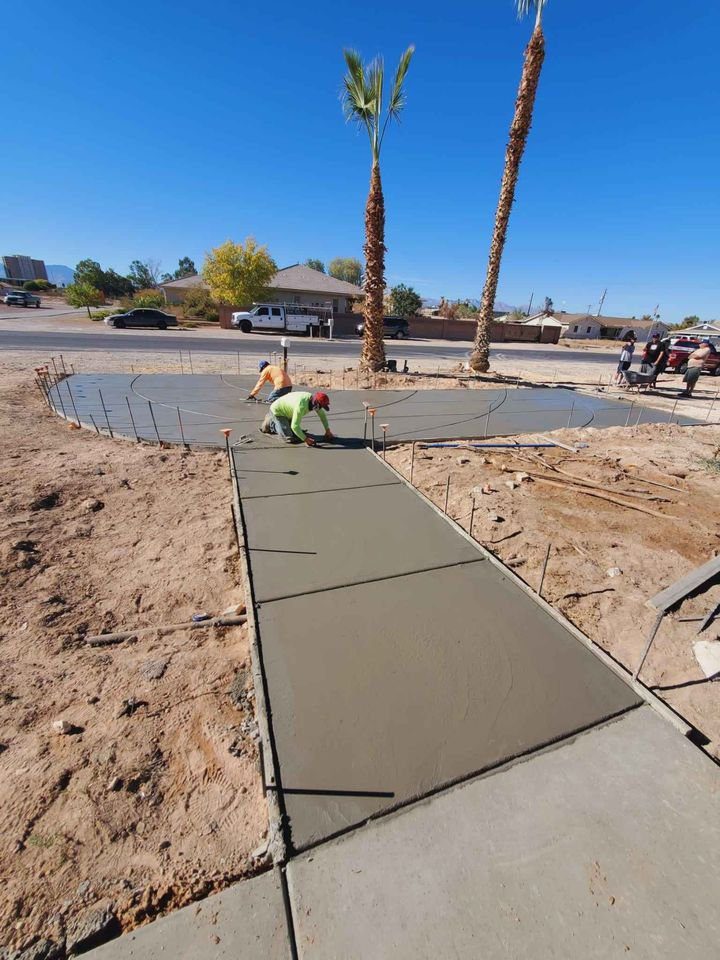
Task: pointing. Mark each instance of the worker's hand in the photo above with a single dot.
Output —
(251, 396)
(310, 442)
(329, 435)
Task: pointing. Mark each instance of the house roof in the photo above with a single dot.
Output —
(614, 322)
(295, 277)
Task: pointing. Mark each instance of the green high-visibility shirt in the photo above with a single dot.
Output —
(294, 406)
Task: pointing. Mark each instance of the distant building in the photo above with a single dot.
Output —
(583, 326)
(295, 284)
(21, 268)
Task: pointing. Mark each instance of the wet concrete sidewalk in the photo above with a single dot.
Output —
(194, 408)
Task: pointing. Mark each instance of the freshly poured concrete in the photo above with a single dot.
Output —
(195, 408)
(341, 537)
(602, 849)
(400, 686)
(245, 922)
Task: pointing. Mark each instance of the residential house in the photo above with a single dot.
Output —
(295, 284)
(584, 326)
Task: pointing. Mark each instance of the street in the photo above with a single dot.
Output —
(217, 341)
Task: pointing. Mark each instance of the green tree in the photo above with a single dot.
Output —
(83, 294)
(346, 268)
(363, 102)
(144, 274)
(315, 264)
(516, 316)
(238, 273)
(404, 301)
(186, 268)
(115, 286)
(519, 130)
(199, 303)
(89, 271)
(690, 321)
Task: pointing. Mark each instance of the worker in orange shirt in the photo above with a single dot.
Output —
(281, 382)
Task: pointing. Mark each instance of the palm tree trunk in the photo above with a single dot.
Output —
(519, 130)
(373, 351)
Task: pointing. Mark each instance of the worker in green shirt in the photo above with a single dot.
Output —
(285, 416)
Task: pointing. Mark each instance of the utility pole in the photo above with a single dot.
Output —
(602, 301)
(530, 304)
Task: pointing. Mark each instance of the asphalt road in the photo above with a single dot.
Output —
(170, 341)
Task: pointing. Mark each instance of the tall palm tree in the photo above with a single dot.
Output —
(362, 101)
(519, 130)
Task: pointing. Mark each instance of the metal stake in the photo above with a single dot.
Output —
(365, 424)
(384, 430)
(712, 404)
(72, 400)
(182, 435)
(672, 412)
(472, 513)
(447, 493)
(132, 420)
(59, 393)
(226, 431)
(372, 427)
(152, 416)
(572, 410)
(107, 418)
(412, 462)
(542, 575)
(632, 404)
(648, 644)
(642, 411)
(238, 362)
(92, 420)
(57, 375)
(63, 365)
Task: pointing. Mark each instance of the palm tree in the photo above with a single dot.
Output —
(519, 130)
(362, 101)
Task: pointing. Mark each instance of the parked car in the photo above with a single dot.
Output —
(21, 298)
(680, 350)
(396, 327)
(142, 317)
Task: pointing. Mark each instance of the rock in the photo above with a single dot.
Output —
(511, 484)
(46, 502)
(153, 669)
(91, 929)
(614, 572)
(495, 518)
(163, 845)
(115, 784)
(92, 699)
(523, 478)
(681, 474)
(259, 853)
(63, 727)
(92, 506)
(99, 472)
(487, 489)
(41, 950)
(84, 888)
(463, 460)
(24, 546)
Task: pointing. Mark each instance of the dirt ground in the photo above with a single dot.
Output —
(154, 798)
(517, 517)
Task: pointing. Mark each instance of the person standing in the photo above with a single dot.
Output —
(626, 355)
(694, 368)
(654, 357)
(279, 377)
(284, 418)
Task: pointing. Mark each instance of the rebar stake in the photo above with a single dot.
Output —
(632, 404)
(152, 417)
(182, 368)
(672, 412)
(712, 404)
(372, 413)
(447, 493)
(182, 435)
(226, 431)
(572, 410)
(366, 405)
(132, 420)
(544, 568)
(412, 462)
(92, 420)
(472, 513)
(384, 427)
(107, 418)
(72, 400)
(190, 359)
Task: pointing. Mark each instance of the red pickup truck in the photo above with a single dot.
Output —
(680, 349)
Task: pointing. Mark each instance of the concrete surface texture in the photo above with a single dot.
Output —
(398, 658)
(606, 847)
(189, 408)
(244, 922)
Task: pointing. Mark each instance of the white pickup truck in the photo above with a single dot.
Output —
(293, 317)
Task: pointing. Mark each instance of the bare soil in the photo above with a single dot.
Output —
(154, 798)
(518, 517)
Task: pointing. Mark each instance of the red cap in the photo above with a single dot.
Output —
(321, 400)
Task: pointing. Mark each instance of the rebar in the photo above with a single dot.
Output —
(57, 375)
(238, 362)
(544, 568)
(152, 417)
(632, 404)
(182, 435)
(412, 462)
(132, 420)
(447, 493)
(107, 418)
(59, 394)
(190, 360)
(62, 362)
(72, 400)
(384, 430)
(372, 428)
(672, 412)
(572, 410)
(472, 513)
(92, 420)
(712, 404)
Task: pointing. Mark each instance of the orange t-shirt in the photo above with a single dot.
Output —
(278, 376)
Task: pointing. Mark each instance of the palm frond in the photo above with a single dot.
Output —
(524, 7)
(397, 96)
(357, 101)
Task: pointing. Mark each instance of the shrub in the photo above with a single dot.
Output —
(32, 285)
(199, 303)
(144, 298)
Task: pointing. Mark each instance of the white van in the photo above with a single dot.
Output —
(292, 317)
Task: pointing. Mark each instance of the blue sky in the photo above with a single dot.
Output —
(159, 130)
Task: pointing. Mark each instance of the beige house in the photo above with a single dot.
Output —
(294, 284)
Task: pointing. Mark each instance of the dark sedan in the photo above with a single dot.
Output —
(142, 317)
(395, 327)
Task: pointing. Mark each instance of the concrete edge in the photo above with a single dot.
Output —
(639, 688)
(268, 761)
